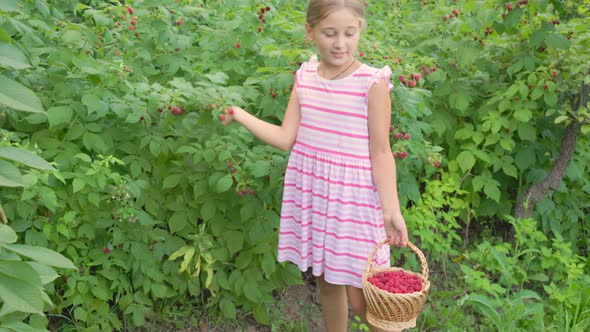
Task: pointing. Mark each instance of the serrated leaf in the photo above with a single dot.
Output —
(491, 190)
(59, 115)
(523, 115)
(172, 181)
(224, 183)
(466, 160)
(219, 78)
(77, 185)
(260, 168)
(526, 132)
(459, 100)
(556, 40)
(510, 170)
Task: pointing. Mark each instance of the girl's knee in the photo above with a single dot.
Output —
(357, 301)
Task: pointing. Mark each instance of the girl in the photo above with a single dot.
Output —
(340, 197)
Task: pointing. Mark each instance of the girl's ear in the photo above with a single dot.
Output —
(309, 31)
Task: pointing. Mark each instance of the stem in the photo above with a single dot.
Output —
(538, 191)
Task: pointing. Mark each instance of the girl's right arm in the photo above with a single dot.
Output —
(281, 137)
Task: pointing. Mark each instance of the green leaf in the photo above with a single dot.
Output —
(527, 132)
(224, 183)
(486, 306)
(261, 313)
(561, 118)
(155, 148)
(11, 57)
(180, 252)
(251, 290)
(95, 105)
(94, 142)
(19, 327)
(228, 308)
(556, 40)
(22, 271)
(19, 295)
(491, 190)
(9, 6)
(510, 170)
(459, 100)
(260, 168)
(46, 273)
(523, 115)
(172, 181)
(538, 37)
(208, 210)
(78, 184)
(478, 182)
(59, 115)
(7, 234)
(550, 98)
(9, 175)
(41, 255)
(25, 157)
(80, 314)
(466, 160)
(218, 78)
(177, 222)
(17, 96)
(234, 241)
(268, 264)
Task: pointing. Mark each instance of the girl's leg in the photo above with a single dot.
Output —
(334, 305)
(359, 306)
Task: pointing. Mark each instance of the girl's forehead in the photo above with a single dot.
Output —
(340, 18)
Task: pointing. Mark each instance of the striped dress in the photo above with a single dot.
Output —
(331, 216)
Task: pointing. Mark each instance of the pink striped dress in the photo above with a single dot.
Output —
(331, 215)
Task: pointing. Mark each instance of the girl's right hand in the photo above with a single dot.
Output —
(228, 115)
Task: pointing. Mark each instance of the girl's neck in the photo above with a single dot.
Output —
(336, 73)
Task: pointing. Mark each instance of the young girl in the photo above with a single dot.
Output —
(340, 197)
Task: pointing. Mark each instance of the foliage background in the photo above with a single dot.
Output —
(165, 213)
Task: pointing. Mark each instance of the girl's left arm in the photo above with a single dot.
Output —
(383, 163)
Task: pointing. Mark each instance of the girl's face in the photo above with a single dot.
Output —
(336, 37)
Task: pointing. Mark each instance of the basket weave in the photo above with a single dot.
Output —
(394, 311)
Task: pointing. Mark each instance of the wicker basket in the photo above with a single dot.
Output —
(394, 311)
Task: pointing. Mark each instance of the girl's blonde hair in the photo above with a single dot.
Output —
(317, 10)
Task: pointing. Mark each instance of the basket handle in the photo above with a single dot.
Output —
(371, 263)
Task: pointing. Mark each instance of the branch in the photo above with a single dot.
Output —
(538, 191)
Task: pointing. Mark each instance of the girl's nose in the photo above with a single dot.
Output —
(339, 42)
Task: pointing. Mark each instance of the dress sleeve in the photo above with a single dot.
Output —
(382, 74)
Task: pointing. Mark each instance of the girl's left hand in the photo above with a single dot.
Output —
(395, 228)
